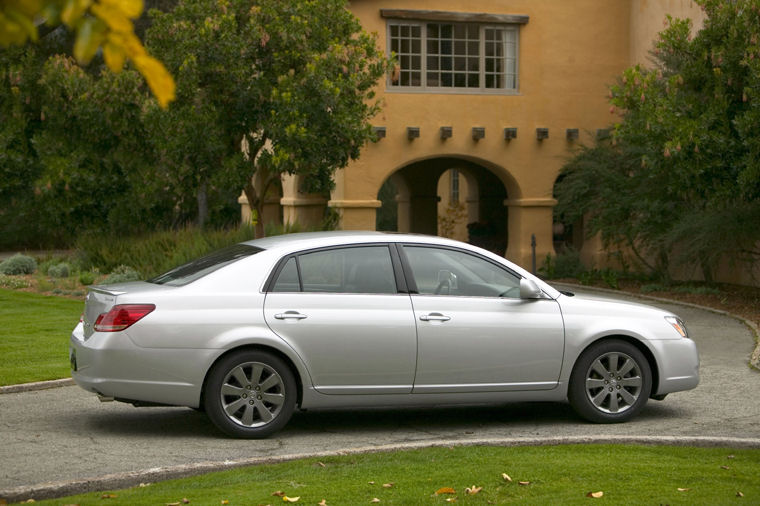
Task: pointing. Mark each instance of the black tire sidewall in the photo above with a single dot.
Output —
(212, 397)
(577, 389)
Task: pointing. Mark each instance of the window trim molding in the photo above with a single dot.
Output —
(460, 17)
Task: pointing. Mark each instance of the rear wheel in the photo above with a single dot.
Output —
(250, 394)
(610, 383)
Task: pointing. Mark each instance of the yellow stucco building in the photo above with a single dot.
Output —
(487, 102)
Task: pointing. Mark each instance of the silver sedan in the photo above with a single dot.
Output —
(345, 319)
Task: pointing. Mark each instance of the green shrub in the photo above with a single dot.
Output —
(157, 252)
(610, 277)
(697, 290)
(18, 264)
(61, 270)
(568, 264)
(12, 282)
(88, 277)
(653, 287)
(122, 274)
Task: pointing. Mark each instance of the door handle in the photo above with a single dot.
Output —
(290, 315)
(434, 317)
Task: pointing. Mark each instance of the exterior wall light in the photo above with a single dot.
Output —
(446, 132)
(412, 133)
(510, 133)
(379, 132)
(542, 133)
(478, 133)
(572, 134)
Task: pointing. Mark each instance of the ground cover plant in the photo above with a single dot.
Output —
(472, 475)
(34, 336)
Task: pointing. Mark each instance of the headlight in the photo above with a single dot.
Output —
(678, 325)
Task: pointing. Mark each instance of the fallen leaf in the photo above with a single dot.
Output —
(375, 500)
(279, 493)
(29, 500)
(371, 482)
(730, 457)
(472, 490)
(523, 483)
(739, 494)
(321, 464)
(143, 485)
(185, 500)
(725, 467)
(451, 499)
(595, 495)
(683, 489)
(225, 501)
(388, 485)
(445, 490)
(506, 477)
(290, 499)
(172, 503)
(323, 502)
(105, 496)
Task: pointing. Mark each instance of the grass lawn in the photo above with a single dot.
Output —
(540, 475)
(34, 336)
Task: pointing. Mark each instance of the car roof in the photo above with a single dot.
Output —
(307, 240)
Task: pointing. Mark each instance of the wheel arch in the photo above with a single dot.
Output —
(643, 348)
(258, 347)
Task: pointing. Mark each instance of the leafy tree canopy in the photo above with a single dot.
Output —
(680, 180)
(289, 82)
(99, 24)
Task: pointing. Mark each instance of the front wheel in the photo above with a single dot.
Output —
(250, 394)
(610, 382)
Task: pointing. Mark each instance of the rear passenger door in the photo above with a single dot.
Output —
(343, 311)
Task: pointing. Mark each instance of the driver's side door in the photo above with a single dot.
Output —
(474, 333)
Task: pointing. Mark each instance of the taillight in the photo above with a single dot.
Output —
(122, 316)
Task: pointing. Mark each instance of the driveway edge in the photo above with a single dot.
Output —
(754, 359)
(54, 490)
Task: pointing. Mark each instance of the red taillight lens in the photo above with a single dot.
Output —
(122, 316)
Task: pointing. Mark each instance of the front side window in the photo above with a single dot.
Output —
(363, 269)
(453, 56)
(440, 271)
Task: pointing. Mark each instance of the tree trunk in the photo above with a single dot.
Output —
(202, 205)
(256, 204)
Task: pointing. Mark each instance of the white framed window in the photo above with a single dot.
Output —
(443, 56)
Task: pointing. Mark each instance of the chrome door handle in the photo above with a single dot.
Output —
(434, 317)
(290, 315)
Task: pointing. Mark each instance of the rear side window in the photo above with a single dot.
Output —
(196, 269)
(364, 269)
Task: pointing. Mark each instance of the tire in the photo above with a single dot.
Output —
(250, 394)
(610, 382)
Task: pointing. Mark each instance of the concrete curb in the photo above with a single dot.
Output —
(124, 480)
(37, 385)
(754, 359)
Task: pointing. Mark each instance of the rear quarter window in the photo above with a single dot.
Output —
(191, 271)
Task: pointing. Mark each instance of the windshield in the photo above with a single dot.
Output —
(196, 269)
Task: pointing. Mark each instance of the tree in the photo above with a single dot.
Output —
(680, 182)
(99, 24)
(288, 83)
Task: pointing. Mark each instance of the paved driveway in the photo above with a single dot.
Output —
(67, 434)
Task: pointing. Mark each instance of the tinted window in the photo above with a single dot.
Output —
(439, 271)
(365, 269)
(196, 269)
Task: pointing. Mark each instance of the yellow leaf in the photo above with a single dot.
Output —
(73, 10)
(523, 483)
(506, 477)
(90, 34)
(158, 78)
(323, 502)
(130, 8)
(172, 503)
(739, 494)
(595, 495)
(375, 500)
(114, 18)
(225, 501)
(290, 499)
(472, 490)
(683, 489)
(114, 56)
(388, 485)
(725, 467)
(445, 490)
(451, 499)
(321, 464)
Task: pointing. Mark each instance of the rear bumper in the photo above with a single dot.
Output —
(111, 365)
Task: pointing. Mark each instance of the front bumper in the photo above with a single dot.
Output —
(111, 365)
(677, 364)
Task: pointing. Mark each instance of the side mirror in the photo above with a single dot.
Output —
(529, 289)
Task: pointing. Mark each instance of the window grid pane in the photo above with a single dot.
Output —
(453, 55)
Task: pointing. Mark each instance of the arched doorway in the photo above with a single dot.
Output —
(450, 196)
